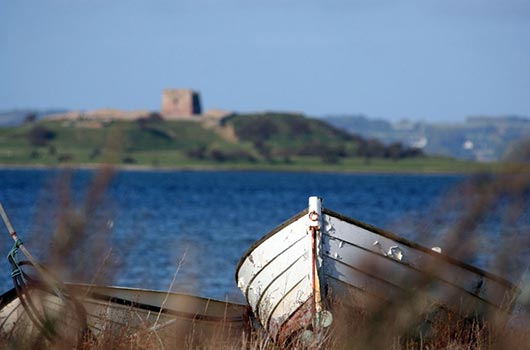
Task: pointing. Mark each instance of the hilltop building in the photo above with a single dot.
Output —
(179, 103)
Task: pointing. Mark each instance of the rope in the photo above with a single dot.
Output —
(13, 260)
(24, 284)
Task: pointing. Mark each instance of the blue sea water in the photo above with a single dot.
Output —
(197, 224)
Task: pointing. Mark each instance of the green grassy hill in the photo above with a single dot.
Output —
(252, 141)
(289, 136)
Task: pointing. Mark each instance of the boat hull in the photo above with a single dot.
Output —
(387, 267)
(169, 319)
(359, 266)
(275, 276)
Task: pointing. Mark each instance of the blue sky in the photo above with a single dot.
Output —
(416, 59)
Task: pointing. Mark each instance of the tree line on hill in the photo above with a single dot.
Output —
(286, 136)
(270, 137)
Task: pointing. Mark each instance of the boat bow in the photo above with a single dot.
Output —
(319, 256)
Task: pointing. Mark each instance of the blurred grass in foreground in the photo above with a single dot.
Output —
(79, 234)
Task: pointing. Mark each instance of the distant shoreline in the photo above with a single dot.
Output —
(206, 168)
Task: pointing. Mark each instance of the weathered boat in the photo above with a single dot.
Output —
(42, 307)
(290, 276)
(81, 312)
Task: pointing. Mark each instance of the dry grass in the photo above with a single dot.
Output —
(405, 323)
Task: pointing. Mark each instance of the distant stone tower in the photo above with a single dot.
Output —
(177, 103)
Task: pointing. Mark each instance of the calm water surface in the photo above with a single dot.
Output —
(156, 218)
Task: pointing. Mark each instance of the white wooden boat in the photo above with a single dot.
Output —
(290, 274)
(170, 320)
